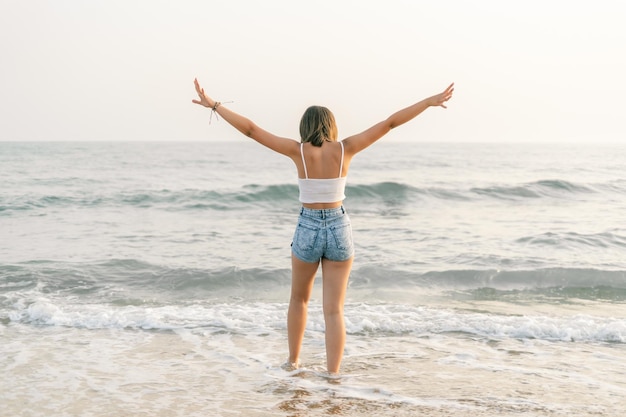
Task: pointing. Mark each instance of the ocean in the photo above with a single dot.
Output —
(152, 279)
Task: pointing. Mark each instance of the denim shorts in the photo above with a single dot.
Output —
(325, 233)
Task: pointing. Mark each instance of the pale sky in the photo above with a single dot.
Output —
(531, 71)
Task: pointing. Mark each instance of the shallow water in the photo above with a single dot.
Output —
(195, 373)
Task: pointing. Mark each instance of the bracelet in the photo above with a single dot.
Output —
(214, 110)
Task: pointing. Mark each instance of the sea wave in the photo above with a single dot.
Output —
(544, 188)
(572, 240)
(129, 293)
(361, 319)
(128, 281)
(164, 199)
(469, 279)
(276, 194)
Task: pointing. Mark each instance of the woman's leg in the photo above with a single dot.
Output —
(335, 282)
(302, 279)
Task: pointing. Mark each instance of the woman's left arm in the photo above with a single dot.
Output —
(285, 146)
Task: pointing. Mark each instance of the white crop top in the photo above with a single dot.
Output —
(321, 190)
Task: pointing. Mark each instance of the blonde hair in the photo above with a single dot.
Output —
(318, 125)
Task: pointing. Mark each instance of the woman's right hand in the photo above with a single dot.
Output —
(439, 100)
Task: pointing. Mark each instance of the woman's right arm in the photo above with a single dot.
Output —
(358, 142)
(285, 146)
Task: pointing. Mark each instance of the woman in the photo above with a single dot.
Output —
(323, 234)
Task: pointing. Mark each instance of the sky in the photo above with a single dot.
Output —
(119, 70)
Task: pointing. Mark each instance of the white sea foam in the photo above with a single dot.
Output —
(360, 319)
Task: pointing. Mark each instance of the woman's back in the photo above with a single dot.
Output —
(324, 161)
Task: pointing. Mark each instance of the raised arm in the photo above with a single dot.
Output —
(285, 146)
(358, 142)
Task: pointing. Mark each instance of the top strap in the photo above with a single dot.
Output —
(341, 166)
(306, 175)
